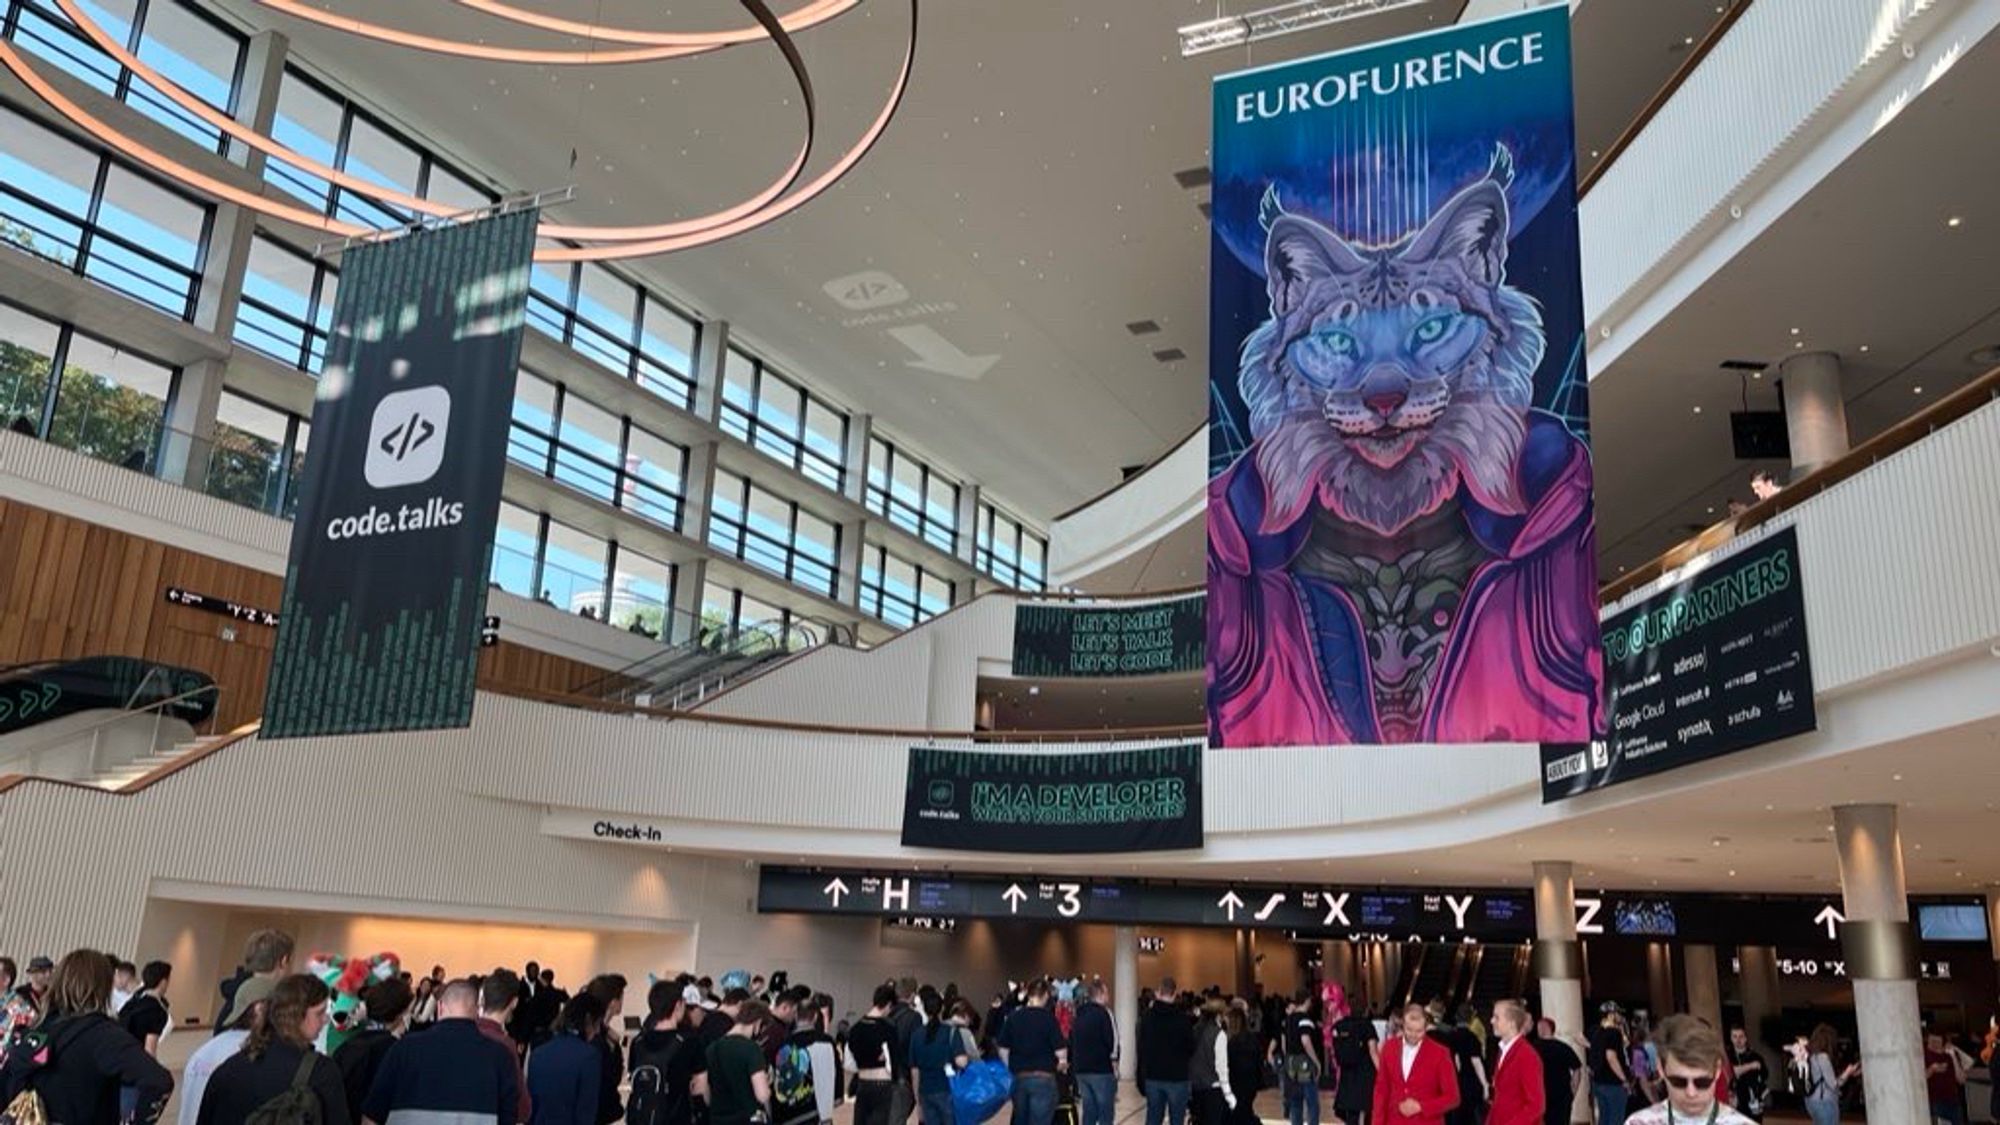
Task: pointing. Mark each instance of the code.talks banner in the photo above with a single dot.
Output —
(1116, 801)
(1716, 663)
(385, 589)
(1400, 521)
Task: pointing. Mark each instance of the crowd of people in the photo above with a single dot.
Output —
(79, 1040)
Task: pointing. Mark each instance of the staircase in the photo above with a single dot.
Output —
(116, 778)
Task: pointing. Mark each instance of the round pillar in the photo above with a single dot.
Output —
(1558, 955)
(1125, 998)
(1881, 961)
(1815, 410)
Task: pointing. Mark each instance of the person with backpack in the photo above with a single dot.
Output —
(805, 1075)
(70, 1066)
(943, 1048)
(386, 1016)
(739, 1081)
(277, 1078)
(1213, 1097)
(564, 1075)
(669, 1065)
(1297, 1051)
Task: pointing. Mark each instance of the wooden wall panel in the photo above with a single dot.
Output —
(70, 589)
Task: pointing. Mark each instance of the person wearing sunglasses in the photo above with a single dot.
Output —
(1690, 1059)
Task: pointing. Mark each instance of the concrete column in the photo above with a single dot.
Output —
(1558, 955)
(227, 256)
(853, 537)
(257, 100)
(1704, 984)
(700, 492)
(1881, 961)
(854, 485)
(967, 547)
(685, 616)
(190, 432)
(1125, 998)
(1815, 410)
(709, 348)
(1246, 964)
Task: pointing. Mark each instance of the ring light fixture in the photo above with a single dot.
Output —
(611, 242)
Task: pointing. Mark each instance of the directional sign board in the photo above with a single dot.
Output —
(1326, 911)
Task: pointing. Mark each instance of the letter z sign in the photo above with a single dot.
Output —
(406, 437)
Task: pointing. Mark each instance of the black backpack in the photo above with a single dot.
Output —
(647, 1104)
(298, 1105)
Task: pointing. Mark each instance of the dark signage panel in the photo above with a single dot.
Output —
(1332, 912)
(1713, 665)
(1118, 801)
(1124, 640)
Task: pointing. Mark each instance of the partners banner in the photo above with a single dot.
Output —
(1401, 533)
(385, 588)
(1716, 663)
(1054, 802)
(1056, 639)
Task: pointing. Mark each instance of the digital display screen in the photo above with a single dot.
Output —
(1644, 917)
(1951, 922)
(1385, 910)
(1500, 909)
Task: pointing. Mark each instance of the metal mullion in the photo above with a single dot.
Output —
(89, 235)
(333, 192)
(536, 590)
(610, 570)
(58, 363)
(122, 86)
(555, 430)
(285, 455)
(618, 470)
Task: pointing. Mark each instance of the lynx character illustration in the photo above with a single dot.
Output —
(1404, 554)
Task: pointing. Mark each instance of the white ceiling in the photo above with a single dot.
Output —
(1024, 197)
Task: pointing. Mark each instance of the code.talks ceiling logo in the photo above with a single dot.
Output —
(406, 437)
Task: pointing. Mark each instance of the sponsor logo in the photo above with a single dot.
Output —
(942, 792)
(406, 437)
(869, 289)
(1600, 755)
(1565, 767)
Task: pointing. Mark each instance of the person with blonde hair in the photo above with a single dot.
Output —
(1690, 1068)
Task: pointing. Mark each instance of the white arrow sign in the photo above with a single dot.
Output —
(834, 890)
(1014, 896)
(1230, 903)
(1270, 904)
(1829, 918)
(935, 353)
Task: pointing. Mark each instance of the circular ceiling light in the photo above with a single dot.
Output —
(624, 241)
(807, 16)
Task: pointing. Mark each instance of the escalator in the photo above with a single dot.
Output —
(1501, 973)
(37, 693)
(686, 674)
(1436, 967)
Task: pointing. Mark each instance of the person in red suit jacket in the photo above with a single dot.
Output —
(1518, 1097)
(1415, 1083)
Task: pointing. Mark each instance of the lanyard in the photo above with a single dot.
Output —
(1713, 1112)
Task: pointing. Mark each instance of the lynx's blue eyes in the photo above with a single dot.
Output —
(1324, 355)
(1432, 330)
(1339, 345)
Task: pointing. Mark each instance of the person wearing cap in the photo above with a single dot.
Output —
(673, 1051)
(1610, 1081)
(267, 954)
(251, 995)
(40, 969)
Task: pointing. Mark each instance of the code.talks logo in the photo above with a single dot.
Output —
(406, 437)
(942, 793)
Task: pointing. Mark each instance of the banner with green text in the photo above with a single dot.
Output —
(1057, 639)
(385, 587)
(1054, 801)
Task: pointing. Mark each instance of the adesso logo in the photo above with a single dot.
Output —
(406, 437)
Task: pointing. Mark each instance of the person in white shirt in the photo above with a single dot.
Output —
(124, 986)
(1690, 1060)
(251, 997)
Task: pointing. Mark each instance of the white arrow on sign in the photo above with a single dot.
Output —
(1014, 896)
(834, 890)
(1829, 918)
(1270, 904)
(935, 353)
(1231, 903)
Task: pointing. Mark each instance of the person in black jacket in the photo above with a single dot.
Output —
(1093, 1056)
(610, 992)
(386, 1008)
(278, 1052)
(1166, 1044)
(90, 1056)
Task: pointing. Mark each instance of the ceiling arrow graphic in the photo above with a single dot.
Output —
(935, 353)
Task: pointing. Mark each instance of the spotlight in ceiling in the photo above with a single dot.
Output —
(1284, 19)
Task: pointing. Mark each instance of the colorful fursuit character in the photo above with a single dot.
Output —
(347, 978)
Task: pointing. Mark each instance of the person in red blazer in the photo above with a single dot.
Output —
(1422, 1092)
(1518, 1095)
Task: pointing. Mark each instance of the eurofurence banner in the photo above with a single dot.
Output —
(1401, 537)
(385, 589)
(1115, 801)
